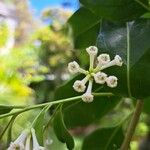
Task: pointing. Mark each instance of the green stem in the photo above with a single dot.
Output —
(103, 94)
(132, 125)
(27, 108)
(39, 106)
(128, 60)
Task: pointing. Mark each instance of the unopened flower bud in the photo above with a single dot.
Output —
(118, 60)
(92, 50)
(79, 86)
(100, 77)
(73, 67)
(103, 59)
(87, 96)
(111, 81)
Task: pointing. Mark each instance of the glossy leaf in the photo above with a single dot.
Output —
(5, 109)
(80, 113)
(116, 10)
(85, 27)
(61, 131)
(105, 139)
(134, 48)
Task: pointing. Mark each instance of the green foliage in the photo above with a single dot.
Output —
(4, 31)
(5, 109)
(104, 138)
(61, 131)
(87, 33)
(135, 53)
(89, 113)
(116, 10)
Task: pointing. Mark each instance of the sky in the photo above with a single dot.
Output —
(38, 5)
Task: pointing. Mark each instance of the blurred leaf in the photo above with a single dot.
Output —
(116, 10)
(146, 107)
(38, 125)
(61, 131)
(105, 139)
(113, 40)
(146, 15)
(5, 109)
(85, 26)
(88, 113)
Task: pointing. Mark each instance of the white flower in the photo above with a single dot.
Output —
(116, 61)
(36, 145)
(104, 62)
(74, 67)
(100, 77)
(87, 96)
(92, 51)
(27, 144)
(111, 81)
(79, 86)
(19, 142)
(103, 59)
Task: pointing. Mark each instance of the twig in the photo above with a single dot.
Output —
(132, 125)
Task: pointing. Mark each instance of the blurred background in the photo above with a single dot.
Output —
(35, 47)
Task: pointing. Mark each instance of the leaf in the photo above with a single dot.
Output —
(38, 125)
(89, 113)
(116, 10)
(5, 109)
(134, 48)
(146, 107)
(85, 27)
(61, 131)
(105, 139)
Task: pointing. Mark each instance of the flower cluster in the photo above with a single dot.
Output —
(23, 141)
(96, 73)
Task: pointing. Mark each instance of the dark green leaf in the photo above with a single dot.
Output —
(88, 113)
(146, 107)
(61, 131)
(85, 27)
(105, 139)
(116, 10)
(5, 109)
(113, 39)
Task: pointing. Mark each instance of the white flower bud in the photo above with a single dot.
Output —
(19, 142)
(100, 77)
(103, 59)
(87, 96)
(73, 67)
(36, 145)
(79, 86)
(111, 81)
(92, 50)
(118, 60)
